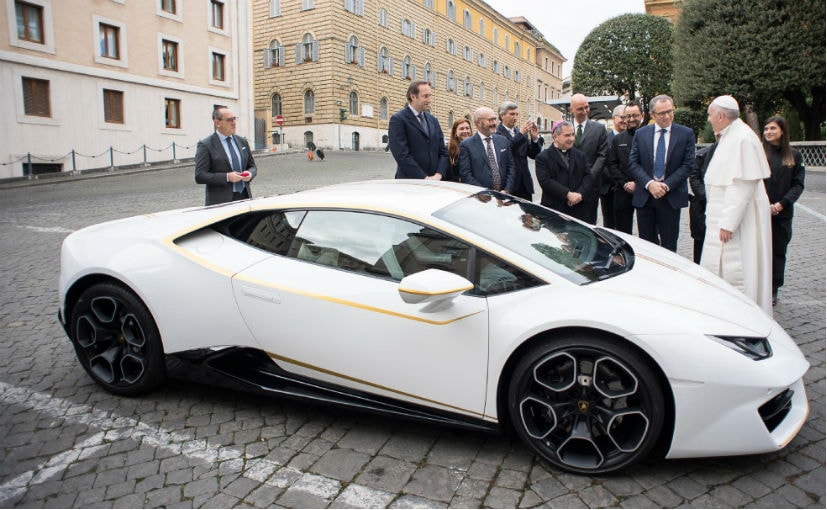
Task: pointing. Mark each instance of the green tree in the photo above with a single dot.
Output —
(629, 56)
(763, 52)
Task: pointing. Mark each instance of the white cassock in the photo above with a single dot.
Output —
(737, 202)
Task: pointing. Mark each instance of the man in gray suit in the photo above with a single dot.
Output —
(224, 162)
(485, 158)
(590, 137)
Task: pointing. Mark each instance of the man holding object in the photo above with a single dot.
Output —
(224, 162)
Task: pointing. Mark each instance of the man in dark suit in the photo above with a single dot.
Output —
(618, 165)
(485, 158)
(607, 184)
(662, 156)
(525, 143)
(590, 137)
(415, 137)
(224, 162)
(697, 200)
(563, 174)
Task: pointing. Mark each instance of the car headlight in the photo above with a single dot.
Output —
(752, 348)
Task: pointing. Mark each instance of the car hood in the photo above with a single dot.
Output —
(662, 278)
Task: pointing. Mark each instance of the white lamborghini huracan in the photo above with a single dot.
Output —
(439, 302)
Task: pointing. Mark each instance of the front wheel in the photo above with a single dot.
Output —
(116, 340)
(585, 404)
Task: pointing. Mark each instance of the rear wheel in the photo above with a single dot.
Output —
(116, 340)
(586, 404)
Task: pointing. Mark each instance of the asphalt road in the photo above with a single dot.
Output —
(66, 443)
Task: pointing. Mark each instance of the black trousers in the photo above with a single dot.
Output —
(624, 211)
(659, 223)
(607, 207)
(782, 233)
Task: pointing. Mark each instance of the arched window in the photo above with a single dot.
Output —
(451, 118)
(427, 74)
(517, 49)
(482, 27)
(383, 17)
(428, 4)
(452, 10)
(307, 50)
(383, 108)
(275, 55)
(406, 68)
(354, 103)
(466, 19)
(496, 96)
(384, 61)
(309, 102)
(496, 35)
(467, 54)
(275, 104)
(450, 46)
(467, 88)
(450, 82)
(408, 28)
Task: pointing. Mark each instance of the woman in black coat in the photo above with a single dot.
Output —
(784, 186)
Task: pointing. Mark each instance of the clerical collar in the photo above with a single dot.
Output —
(559, 149)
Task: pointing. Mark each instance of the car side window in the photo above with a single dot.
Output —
(376, 245)
(493, 276)
(271, 230)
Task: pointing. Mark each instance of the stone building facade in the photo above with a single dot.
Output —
(117, 81)
(337, 70)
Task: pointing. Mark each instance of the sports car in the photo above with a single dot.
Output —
(440, 302)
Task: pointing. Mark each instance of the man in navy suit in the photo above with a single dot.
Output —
(415, 137)
(525, 143)
(485, 158)
(223, 161)
(662, 156)
(590, 137)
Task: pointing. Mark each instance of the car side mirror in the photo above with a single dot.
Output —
(432, 286)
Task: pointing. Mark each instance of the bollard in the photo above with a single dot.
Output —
(30, 173)
(111, 159)
(74, 165)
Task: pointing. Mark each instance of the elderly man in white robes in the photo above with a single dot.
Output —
(738, 242)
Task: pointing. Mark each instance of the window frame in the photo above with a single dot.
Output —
(172, 104)
(122, 60)
(221, 56)
(39, 94)
(46, 26)
(26, 7)
(113, 104)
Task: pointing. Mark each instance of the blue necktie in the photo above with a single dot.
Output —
(660, 155)
(238, 187)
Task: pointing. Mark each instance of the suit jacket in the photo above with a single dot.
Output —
(474, 167)
(617, 161)
(593, 144)
(556, 179)
(212, 166)
(417, 154)
(522, 147)
(680, 160)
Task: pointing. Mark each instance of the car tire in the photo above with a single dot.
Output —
(586, 404)
(116, 340)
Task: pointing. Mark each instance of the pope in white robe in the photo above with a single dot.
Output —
(738, 242)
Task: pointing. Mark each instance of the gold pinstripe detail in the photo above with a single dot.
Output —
(373, 385)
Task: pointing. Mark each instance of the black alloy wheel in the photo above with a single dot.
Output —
(116, 340)
(589, 405)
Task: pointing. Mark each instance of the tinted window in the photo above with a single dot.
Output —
(572, 250)
(271, 231)
(376, 245)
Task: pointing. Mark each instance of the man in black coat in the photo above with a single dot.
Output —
(526, 142)
(697, 200)
(563, 175)
(618, 164)
(415, 137)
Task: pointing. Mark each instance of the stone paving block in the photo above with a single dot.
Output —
(596, 496)
(240, 488)
(150, 483)
(510, 479)
(341, 464)
(410, 501)
(221, 501)
(364, 440)
(549, 488)
(638, 501)
(502, 498)
(163, 497)
(567, 501)
(263, 496)
(452, 454)
(129, 501)
(482, 471)
(434, 482)
(109, 477)
(318, 447)
(360, 496)
(386, 473)
(310, 491)
(687, 488)
(197, 488)
(664, 496)
(465, 502)
(119, 490)
(180, 476)
(476, 489)
(406, 446)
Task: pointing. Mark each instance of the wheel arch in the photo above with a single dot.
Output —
(665, 439)
(77, 288)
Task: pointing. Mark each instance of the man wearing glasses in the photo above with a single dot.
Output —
(224, 162)
(662, 156)
(618, 164)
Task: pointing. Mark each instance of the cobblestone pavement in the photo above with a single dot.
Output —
(64, 442)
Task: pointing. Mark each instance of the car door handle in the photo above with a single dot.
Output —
(262, 294)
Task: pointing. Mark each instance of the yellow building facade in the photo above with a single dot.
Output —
(337, 70)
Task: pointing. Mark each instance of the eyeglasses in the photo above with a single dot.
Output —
(663, 113)
(231, 119)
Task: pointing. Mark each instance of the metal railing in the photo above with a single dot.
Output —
(72, 156)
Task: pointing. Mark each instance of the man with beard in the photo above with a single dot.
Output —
(618, 164)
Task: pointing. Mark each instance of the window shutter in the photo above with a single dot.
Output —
(360, 7)
(413, 30)
(281, 56)
(390, 66)
(267, 61)
(299, 53)
(362, 56)
(413, 72)
(348, 53)
(315, 51)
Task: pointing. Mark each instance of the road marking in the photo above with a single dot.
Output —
(48, 230)
(114, 428)
(808, 210)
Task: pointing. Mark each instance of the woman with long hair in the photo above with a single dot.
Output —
(459, 132)
(784, 186)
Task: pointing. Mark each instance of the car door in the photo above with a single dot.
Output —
(330, 308)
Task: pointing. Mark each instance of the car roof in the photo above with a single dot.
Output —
(417, 197)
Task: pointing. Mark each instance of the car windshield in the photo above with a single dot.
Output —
(577, 252)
